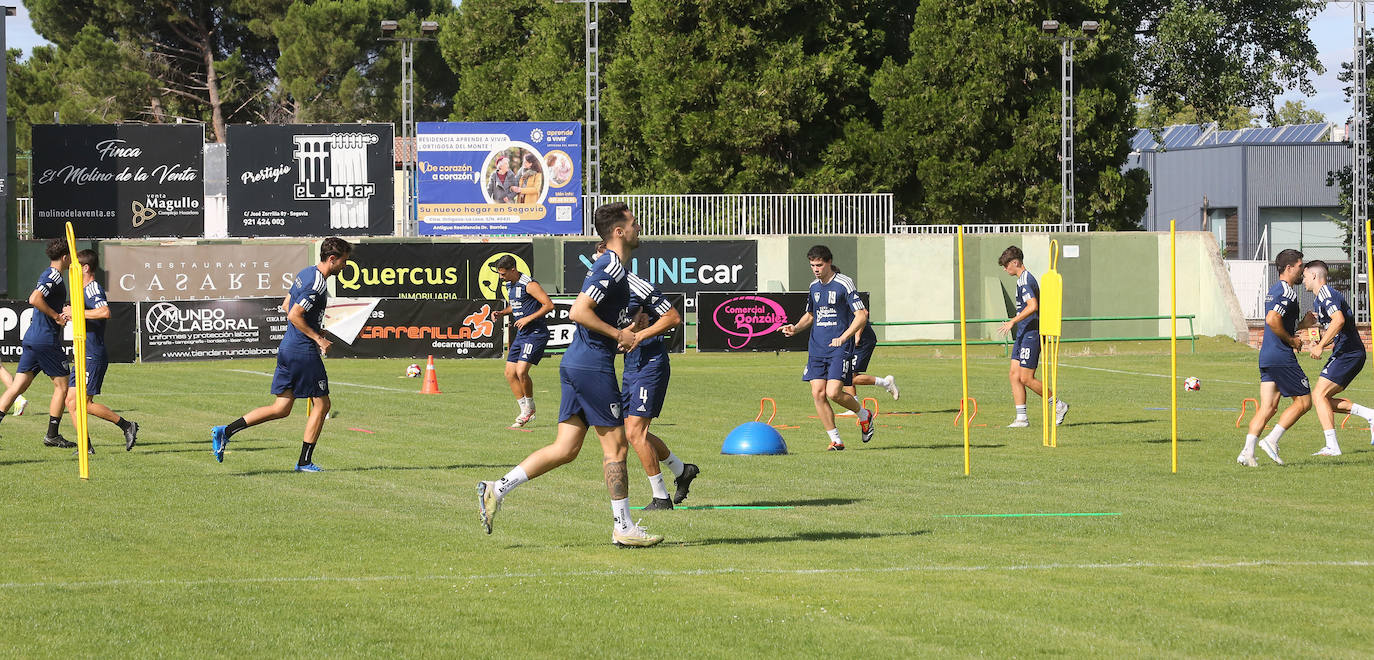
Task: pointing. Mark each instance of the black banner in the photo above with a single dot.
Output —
(686, 267)
(120, 331)
(124, 180)
(210, 329)
(310, 180)
(561, 327)
(393, 328)
(430, 271)
(751, 321)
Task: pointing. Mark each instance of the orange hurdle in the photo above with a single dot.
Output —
(1242, 410)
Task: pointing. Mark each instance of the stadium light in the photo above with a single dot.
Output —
(389, 28)
(1090, 28)
(1049, 27)
(1086, 30)
(389, 33)
(429, 28)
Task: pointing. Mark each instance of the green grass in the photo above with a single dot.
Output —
(166, 552)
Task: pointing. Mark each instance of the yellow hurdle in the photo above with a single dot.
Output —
(76, 291)
(1051, 328)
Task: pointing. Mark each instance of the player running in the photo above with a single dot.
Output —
(833, 304)
(300, 368)
(644, 388)
(1332, 312)
(528, 304)
(863, 353)
(1280, 374)
(42, 342)
(97, 312)
(590, 396)
(1025, 351)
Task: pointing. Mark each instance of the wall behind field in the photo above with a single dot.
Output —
(914, 278)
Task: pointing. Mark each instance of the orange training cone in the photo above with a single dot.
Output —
(431, 385)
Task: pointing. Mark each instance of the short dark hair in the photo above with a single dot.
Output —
(607, 216)
(334, 247)
(504, 261)
(89, 258)
(1318, 264)
(1011, 254)
(1287, 258)
(56, 248)
(819, 252)
(531, 160)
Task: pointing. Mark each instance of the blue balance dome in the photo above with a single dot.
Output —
(752, 438)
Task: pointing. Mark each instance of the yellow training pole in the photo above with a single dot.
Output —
(1369, 267)
(963, 350)
(1173, 346)
(76, 292)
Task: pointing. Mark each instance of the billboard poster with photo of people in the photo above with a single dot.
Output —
(499, 178)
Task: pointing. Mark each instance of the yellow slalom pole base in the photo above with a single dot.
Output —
(1052, 381)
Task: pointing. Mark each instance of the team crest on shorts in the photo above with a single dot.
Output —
(324, 384)
(615, 410)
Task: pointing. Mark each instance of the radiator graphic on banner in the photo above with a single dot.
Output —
(333, 168)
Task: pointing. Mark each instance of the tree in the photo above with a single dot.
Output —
(740, 96)
(1152, 115)
(1297, 112)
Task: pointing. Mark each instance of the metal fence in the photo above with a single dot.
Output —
(736, 215)
(1076, 227)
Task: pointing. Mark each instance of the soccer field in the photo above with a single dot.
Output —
(867, 552)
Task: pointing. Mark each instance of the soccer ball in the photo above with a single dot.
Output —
(413, 371)
(1192, 384)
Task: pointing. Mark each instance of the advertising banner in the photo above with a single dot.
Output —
(751, 321)
(310, 180)
(499, 177)
(687, 267)
(189, 272)
(120, 331)
(561, 326)
(210, 329)
(429, 271)
(125, 180)
(394, 328)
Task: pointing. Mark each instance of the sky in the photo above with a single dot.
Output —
(1331, 31)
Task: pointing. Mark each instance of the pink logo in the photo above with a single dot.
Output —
(748, 317)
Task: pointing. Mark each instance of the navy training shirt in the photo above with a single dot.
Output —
(645, 296)
(608, 287)
(523, 304)
(832, 306)
(44, 331)
(1282, 298)
(1328, 302)
(308, 291)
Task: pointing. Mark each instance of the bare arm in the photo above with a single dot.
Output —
(297, 318)
(583, 313)
(802, 323)
(1337, 322)
(545, 305)
(1032, 306)
(36, 299)
(860, 319)
(662, 325)
(98, 313)
(1275, 323)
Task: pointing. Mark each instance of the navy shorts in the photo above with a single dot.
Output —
(862, 354)
(835, 366)
(1289, 377)
(302, 373)
(1342, 369)
(528, 348)
(589, 395)
(51, 360)
(645, 389)
(95, 374)
(1026, 350)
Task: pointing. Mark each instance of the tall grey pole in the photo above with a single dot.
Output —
(1359, 167)
(1066, 110)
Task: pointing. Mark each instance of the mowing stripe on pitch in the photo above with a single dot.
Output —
(1142, 373)
(723, 506)
(1026, 515)
(875, 570)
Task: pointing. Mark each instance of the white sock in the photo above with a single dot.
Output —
(1331, 439)
(525, 405)
(835, 436)
(881, 382)
(1361, 411)
(1250, 441)
(1021, 412)
(660, 490)
(529, 401)
(1274, 435)
(674, 464)
(512, 479)
(621, 510)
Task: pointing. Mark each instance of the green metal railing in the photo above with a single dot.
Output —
(1006, 343)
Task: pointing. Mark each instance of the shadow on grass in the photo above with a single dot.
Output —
(235, 450)
(1113, 423)
(26, 461)
(1161, 441)
(802, 536)
(824, 501)
(949, 445)
(373, 468)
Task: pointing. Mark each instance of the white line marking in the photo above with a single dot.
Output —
(332, 382)
(705, 571)
(1142, 373)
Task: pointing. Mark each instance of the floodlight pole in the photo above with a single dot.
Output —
(1066, 114)
(408, 112)
(591, 132)
(1359, 170)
